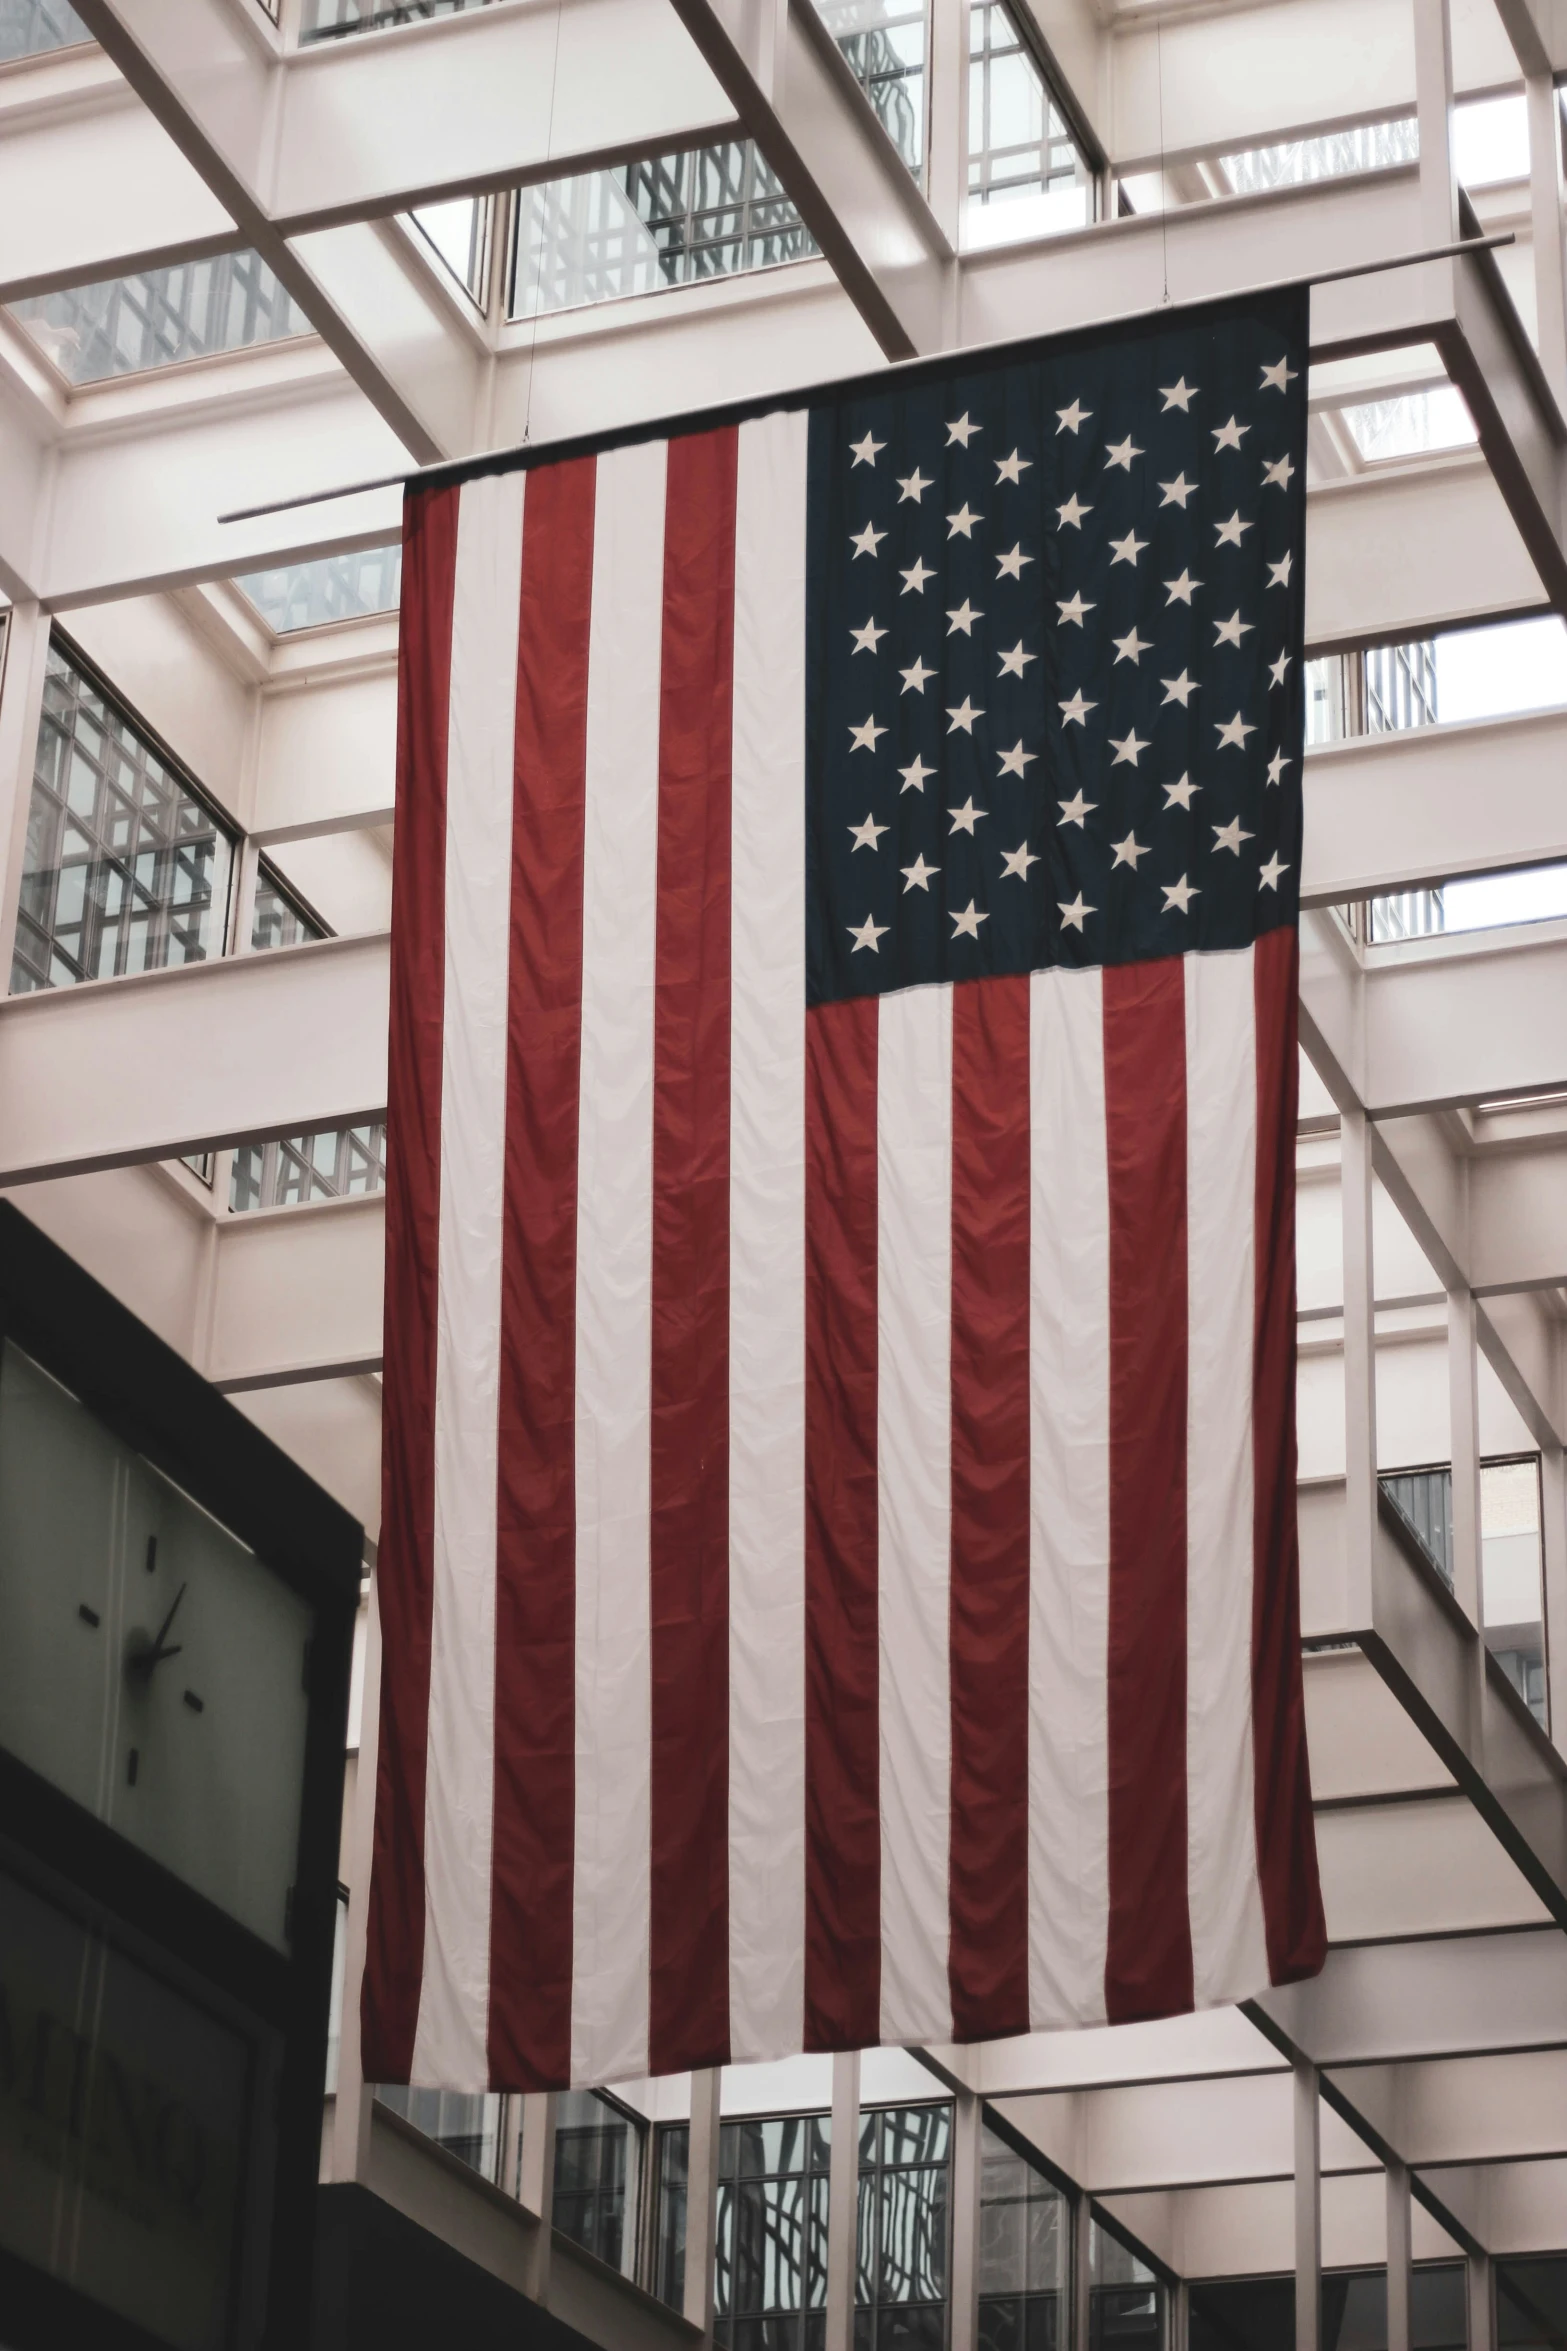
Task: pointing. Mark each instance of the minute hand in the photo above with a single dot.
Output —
(157, 1653)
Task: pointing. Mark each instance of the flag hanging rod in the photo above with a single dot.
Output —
(445, 467)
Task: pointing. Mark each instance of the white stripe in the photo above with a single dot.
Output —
(1229, 1943)
(609, 2007)
(1069, 1544)
(767, 1250)
(450, 2039)
(914, 1482)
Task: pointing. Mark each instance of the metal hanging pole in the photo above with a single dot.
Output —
(456, 468)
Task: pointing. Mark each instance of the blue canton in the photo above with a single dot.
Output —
(1054, 653)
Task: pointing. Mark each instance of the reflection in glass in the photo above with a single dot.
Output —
(326, 20)
(901, 2285)
(29, 27)
(1511, 1563)
(1366, 146)
(884, 42)
(596, 2144)
(333, 588)
(1019, 145)
(279, 920)
(467, 2124)
(123, 326)
(772, 2231)
(1023, 2252)
(125, 869)
(335, 1164)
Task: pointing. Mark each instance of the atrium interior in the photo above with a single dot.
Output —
(257, 250)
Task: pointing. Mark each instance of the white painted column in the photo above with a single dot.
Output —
(1360, 1385)
(1480, 2292)
(22, 669)
(1553, 1584)
(702, 2199)
(351, 2110)
(967, 2169)
(536, 2182)
(1178, 2303)
(1434, 112)
(510, 2174)
(1082, 2272)
(1463, 1395)
(843, 2201)
(1398, 2257)
(1308, 2209)
(946, 163)
(1545, 203)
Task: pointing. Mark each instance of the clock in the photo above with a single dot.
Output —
(151, 1666)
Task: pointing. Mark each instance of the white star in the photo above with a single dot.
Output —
(1072, 513)
(914, 774)
(964, 618)
(1177, 492)
(1178, 395)
(913, 485)
(865, 451)
(867, 541)
(916, 576)
(1279, 573)
(915, 676)
(965, 818)
(1072, 916)
(1228, 534)
(868, 638)
(1233, 733)
(1180, 591)
(1011, 469)
(1276, 766)
(917, 876)
(1268, 878)
(1179, 895)
(1012, 663)
(1130, 648)
(1075, 712)
(864, 738)
(1277, 668)
(1014, 761)
(1127, 852)
(1072, 417)
(1231, 631)
(868, 933)
(1017, 861)
(1128, 549)
(1228, 436)
(1074, 608)
(963, 717)
(1011, 566)
(1073, 811)
(961, 524)
(1230, 836)
(1179, 794)
(964, 430)
(1277, 475)
(1127, 750)
(1121, 453)
(866, 835)
(966, 925)
(1274, 379)
(1179, 689)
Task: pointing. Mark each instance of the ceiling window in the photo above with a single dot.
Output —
(333, 588)
(159, 317)
(30, 27)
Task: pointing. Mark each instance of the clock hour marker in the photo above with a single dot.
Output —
(193, 1702)
(130, 1768)
(152, 1553)
(88, 1615)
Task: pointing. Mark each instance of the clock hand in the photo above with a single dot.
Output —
(147, 1658)
(158, 1649)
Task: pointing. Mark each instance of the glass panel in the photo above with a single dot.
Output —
(334, 588)
(1022, 2225)
(1018, 141)
(593, 2172)
(1369, 146)
(1511, 1565)
(903, 2225)
(459, 232)
(334, 1164)
(1410, 425)
(325, 20)
(669, 2233)
(1423, 1499)
(884, 41)
(124, 326)
(125, 869)
(667, 221)
(29, 27)
(467, 2124)
(279, 919)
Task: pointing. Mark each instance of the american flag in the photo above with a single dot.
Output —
(838, 1563)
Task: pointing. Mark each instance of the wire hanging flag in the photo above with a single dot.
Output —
(449, 469)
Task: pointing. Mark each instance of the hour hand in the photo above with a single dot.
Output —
(160, 1647)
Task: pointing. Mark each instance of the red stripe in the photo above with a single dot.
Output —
(842, 1725)
(1148, 1957)
(394, 1957)
(688, 2022)
(535, 1580)
(1286, 1839)
(988, 1949)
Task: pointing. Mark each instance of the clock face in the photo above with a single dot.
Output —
(151, 1666)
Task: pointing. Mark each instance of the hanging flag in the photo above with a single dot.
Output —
(838, 1566)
